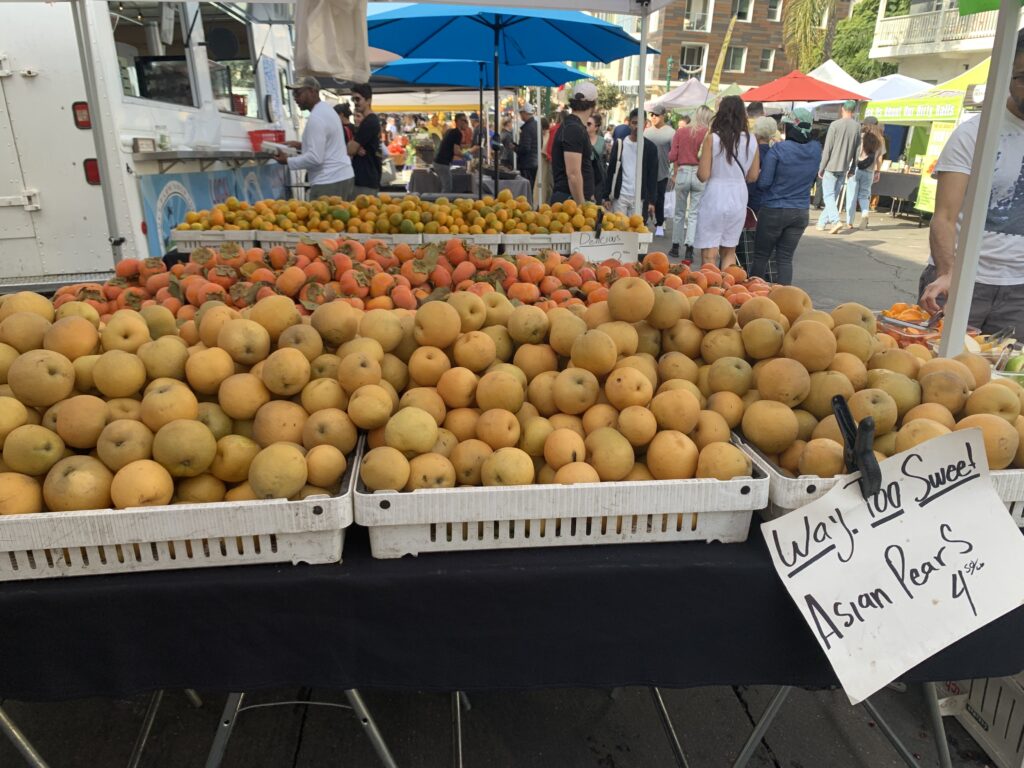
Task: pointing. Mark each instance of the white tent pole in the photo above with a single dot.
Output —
(979, 185)
(108, 171)
(641, 92)
(539, 186)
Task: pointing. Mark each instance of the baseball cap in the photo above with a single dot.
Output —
(850, 105)
(527, 108)
(870, 120)
(657, 109)
(474, 116)
(585, 91)
(304, 82)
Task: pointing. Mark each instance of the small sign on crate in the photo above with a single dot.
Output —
(623, 246)
(886, 582)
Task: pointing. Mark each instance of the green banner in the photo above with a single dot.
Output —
(922, 110)
(967, 7)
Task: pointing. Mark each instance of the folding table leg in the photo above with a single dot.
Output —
(890, 734)
(670, 731)
(227, 724)
(193, 698)
(370, 726)
(762, 726)
(456, 730)
(144, 731)
(23, 745)
(931, 698)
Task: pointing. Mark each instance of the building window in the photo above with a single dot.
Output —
(697, 17)
(743, 10)
(774, 10)
(691, 62)
(767, 59)
(231, 59)
(735, 59)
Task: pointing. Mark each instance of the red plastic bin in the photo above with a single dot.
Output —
(256, 138)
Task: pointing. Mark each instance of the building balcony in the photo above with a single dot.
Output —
(933, 33)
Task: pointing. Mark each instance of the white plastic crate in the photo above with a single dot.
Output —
(186, 240)
(97, 542)
(788, 493)
(992, 711)
(450, 519)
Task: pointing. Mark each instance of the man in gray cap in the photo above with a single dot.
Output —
(324, 157)
(842, 143)
(660, 135)
(526, 149)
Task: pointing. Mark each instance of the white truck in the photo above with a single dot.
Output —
(191, 79)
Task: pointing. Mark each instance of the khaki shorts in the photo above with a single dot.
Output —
(993, 307)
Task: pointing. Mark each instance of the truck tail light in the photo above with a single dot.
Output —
(80, 111)
(92, 171)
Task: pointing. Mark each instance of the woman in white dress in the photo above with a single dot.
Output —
(728, 160)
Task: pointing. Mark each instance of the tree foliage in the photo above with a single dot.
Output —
(608, 95)
(853, 43)
(806, 43)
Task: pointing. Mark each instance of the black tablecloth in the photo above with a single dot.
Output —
(900, 186)
(675, 615)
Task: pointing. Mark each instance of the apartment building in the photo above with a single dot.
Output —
(933, 42)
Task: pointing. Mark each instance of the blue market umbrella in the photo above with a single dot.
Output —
(502, 35)
(471, 74)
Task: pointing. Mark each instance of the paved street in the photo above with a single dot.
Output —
(875, 267)
(543, 729)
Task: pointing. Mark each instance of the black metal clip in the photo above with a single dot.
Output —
(858, 447)
(598, 220)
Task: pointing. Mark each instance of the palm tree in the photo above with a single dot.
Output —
(806, 43)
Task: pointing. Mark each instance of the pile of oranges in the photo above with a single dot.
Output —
(408, 215)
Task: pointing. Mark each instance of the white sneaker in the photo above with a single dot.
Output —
(659, 232)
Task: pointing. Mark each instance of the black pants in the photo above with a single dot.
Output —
(530, 174)
(659, 203)
(778, 232)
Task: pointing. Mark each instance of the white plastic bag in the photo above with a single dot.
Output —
(670, 204)
(202, 130)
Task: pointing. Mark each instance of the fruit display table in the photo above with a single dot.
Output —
(675, 615)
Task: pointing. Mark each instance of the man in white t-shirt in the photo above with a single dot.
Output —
(324, 155)
(620, 180)
(998, 299)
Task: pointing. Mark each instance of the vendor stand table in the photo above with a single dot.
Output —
(673, 615)
(518, 186)
(901, 187)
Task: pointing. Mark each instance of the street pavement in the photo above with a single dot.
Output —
(568, 728)
(876, 267)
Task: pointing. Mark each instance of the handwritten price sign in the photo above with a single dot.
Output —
(888, 581)
(623, 246)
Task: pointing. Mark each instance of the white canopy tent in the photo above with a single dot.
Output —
(692, 93)
(893, 87)
(833, 74)
(433, 101)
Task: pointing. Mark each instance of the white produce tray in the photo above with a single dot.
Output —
(788, 493)
(453, 519)
(992, 711)
(97, 542)
(186, 240)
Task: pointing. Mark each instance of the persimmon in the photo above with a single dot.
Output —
(402, 297)
(127, 268)
(463, 271)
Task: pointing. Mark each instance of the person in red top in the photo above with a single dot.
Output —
(344, 110)
(684, 155)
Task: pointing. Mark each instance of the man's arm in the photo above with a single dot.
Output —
(574, 174)
(755, 166)
(829, 140)
(314, 149)
(610, 176)
(949, 200)
(363, 134)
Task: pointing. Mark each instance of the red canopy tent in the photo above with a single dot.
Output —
(796, 86)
